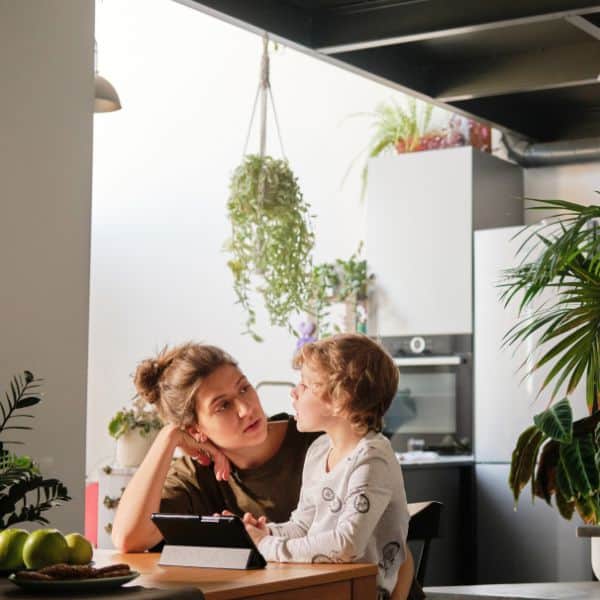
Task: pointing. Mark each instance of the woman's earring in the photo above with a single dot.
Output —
(203, 438)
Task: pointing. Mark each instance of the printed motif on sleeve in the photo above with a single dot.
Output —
(388, 556)
(361, 503)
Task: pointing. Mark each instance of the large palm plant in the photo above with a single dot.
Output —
(561, 457)
(24, 493)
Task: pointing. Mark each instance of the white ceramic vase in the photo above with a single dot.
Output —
(132, 447)
(592, 532)
(596, 556)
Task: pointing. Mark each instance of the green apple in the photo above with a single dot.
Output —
(80, 549)
(11, 548)
(45, 547)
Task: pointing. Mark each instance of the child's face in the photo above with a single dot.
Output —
(310, 400)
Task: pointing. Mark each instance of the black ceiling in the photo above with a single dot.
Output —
(527, 66)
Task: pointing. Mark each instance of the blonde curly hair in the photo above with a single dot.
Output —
(359, 374)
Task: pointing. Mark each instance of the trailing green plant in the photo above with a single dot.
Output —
(137, 418)
(24, 493)
(271, 239)
(338, 281)
(560, 458)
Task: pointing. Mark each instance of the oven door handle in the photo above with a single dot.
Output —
(426, 361)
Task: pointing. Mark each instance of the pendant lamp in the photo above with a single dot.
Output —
(106, 98)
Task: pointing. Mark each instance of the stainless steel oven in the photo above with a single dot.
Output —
(434, 401)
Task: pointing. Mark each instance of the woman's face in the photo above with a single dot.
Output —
(228, 410)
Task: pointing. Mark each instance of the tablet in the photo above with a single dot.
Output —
(216, 542)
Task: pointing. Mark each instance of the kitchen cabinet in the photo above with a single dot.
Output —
(449, 481)
(422, 209)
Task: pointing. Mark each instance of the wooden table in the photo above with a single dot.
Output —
(278, 581)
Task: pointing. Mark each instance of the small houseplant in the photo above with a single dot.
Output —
(25, 494)
(134, 429)
(559, 456)
(341, 281)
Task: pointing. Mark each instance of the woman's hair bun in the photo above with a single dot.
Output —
(147, 379)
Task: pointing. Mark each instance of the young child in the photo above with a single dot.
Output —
(352, 504)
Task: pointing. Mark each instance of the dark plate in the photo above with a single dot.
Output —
(73, 585)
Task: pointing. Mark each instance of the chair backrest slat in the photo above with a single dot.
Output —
(424, 525)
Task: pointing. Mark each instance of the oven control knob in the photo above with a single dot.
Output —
(417, 345)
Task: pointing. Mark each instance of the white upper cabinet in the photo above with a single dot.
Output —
(421, 212)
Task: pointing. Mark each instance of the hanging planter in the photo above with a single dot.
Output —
(271, 239)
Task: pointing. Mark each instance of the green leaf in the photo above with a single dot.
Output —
(545, 479)
(566, 508)
(524, 457)
(575, 463)
(28, 401)
(557, 421)
(587, 509)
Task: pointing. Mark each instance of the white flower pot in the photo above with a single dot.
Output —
(596, 556)
(132, 447)
(592, 532)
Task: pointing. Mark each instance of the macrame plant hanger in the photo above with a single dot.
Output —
(265, 93)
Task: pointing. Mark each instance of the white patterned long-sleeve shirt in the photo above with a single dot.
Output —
(356, 512)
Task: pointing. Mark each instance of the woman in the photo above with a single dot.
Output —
(211, 408)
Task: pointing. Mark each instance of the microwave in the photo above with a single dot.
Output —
(434, 399)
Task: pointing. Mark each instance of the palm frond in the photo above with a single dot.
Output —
(561, 256)
(24, 493)
(22, 395)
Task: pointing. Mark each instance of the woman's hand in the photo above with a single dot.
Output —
(204, 453)
(256, 528)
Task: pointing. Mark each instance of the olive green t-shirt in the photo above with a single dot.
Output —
(271, 489)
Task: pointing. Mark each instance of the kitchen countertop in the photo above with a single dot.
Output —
(460, 460)
(577, 590)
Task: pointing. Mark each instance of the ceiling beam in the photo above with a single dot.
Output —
(542, 116)
(388, 24)
(285, 21)
(564, 66)
(393, 66)
(584, 25)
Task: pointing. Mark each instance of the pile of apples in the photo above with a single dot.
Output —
(20, 549)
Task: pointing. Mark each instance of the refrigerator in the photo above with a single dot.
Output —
(532, 543)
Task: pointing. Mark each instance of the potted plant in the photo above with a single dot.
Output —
(342, 285)
(407, 128)
(25, 494)
(559, 456)
(134, 429)
(271, 239)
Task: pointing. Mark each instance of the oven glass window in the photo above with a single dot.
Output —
(425, 402)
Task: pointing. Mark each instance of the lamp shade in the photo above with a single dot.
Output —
(106, 98)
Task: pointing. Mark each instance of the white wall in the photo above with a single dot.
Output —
(161, 172)
(46, 62)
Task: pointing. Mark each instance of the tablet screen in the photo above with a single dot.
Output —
(196, 530)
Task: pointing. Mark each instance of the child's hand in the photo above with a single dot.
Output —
(256, 533)
(256, 528)
(260, 523)
(204, 453)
